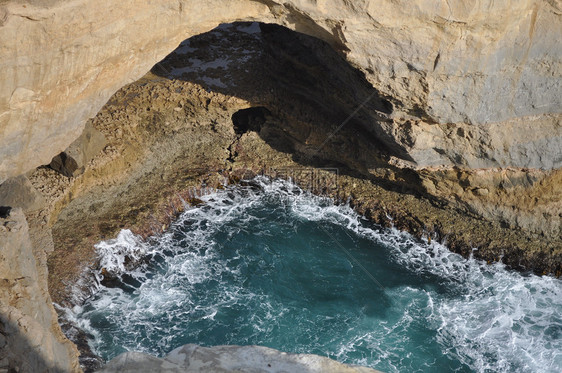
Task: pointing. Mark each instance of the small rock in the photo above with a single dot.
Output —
(481, 191)
(73, 160)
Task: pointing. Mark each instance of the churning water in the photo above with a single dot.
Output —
(271, 265)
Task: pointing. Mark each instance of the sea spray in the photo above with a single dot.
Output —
(122, 253)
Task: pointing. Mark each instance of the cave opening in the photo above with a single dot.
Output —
(300, 90)
(251, 119)
(309, 90)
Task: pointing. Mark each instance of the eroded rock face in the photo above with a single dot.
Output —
(442, 62)
(196, 359)
(30, 337)
(73, 160)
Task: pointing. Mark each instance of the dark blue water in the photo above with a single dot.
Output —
(274, 266)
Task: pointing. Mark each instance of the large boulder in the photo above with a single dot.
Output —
(18, 192)
(73, 160)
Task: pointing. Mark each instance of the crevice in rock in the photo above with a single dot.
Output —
(436, 61)
(232, 154)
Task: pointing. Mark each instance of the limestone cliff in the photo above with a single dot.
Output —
(186, 124)
(477, 64)
(30, 337)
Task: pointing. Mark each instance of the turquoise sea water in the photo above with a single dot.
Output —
(271, 265)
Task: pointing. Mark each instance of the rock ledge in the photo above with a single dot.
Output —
(193, 358)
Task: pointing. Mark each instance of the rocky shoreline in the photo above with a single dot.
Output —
(169, 139)
(171, 136)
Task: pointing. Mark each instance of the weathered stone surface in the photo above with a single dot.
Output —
(529, 142)
(223, 359)
(30, 337)
(62, 60)
(73, 160)
(444, 62)
(18, 192)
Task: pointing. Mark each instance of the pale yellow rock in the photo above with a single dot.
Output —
(444, 61)
(28, 322)
(476, 84)
(61, 63)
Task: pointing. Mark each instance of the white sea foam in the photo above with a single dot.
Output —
(114, 254)
(493, 320)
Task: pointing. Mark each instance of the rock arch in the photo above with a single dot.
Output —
(446, 62)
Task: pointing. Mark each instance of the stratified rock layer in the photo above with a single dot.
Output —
(224, 359)
(442, 62)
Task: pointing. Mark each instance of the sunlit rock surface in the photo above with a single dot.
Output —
(471, 86)
(443, 62)
(30, 337)
(196, 359)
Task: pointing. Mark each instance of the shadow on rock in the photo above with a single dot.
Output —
(307, 100)
(18, 353)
